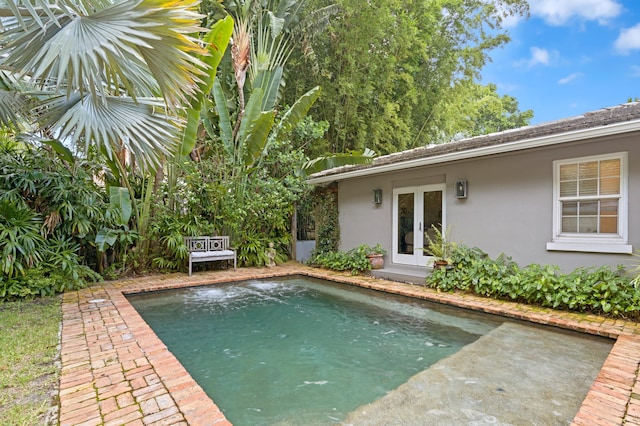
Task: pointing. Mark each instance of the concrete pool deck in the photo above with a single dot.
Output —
(116, 371)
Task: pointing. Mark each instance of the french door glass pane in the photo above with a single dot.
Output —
(432, 216)
(405, 223)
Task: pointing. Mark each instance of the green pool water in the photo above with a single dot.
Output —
(298, 350)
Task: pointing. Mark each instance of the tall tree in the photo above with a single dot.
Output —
(495, 113)
(393, 71)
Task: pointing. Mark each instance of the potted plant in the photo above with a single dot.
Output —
(375, 255)
(439, 246)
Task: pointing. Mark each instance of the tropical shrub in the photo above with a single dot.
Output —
(254, 208)
(21, 244)
(167, 232)
(49, 212)
(600, 290)
(354, 260)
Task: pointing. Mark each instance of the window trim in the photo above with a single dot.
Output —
(602, 243)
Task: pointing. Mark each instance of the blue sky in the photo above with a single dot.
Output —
(570, 57)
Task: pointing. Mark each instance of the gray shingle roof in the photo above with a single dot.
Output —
(590, 120)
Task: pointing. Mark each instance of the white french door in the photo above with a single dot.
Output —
(415, 210)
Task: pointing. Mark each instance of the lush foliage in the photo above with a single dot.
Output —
(254, 209)
(327, 221)
(400, 74)
(50, 212)
(494, 113)
(354, 260)
(597, 290)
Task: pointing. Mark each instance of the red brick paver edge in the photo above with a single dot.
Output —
(116, 371)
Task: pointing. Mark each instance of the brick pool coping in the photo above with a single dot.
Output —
(116, 371)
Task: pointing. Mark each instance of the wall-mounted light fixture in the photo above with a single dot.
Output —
(377, 196)
(461, 188)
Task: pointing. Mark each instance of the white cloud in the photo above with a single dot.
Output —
(559, 12)
(538, 56)
(629, 39)
(570, 78)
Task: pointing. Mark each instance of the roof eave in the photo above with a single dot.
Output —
(536, 142)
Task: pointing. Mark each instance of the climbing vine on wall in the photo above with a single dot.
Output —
(327, 223)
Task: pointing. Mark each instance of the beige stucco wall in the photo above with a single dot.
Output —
(509, 204)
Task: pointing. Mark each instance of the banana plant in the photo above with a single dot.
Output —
(336, 160)
(246, 148)
(122, 208)
(217, 40)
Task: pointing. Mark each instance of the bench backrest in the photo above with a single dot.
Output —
(207, 243)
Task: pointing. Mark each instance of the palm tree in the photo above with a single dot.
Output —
(104, 73)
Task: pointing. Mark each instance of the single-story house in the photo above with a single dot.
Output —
(565, 193)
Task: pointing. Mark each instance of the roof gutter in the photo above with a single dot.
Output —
(537, 142)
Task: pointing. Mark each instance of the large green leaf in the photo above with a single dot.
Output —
(269, 81)
(111, 73)
(226, 129)
(217, 40)
(343, 159)
(15, 103)
(298, 110)
(252, 112)
(138, 45)
(120, 198)
(62, 151)
(105, 238)
(257, 137)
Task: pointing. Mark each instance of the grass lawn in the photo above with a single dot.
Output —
(28, 371)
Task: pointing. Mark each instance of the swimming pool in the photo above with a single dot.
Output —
(299, 349)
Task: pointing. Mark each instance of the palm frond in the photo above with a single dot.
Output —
(140, 46)
(14, 109)
(139, 126)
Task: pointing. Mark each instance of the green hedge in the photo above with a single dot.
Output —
(600, 290)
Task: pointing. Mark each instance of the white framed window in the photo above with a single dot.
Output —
(590, 204)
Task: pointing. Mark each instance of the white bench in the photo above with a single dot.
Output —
(209, 249)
